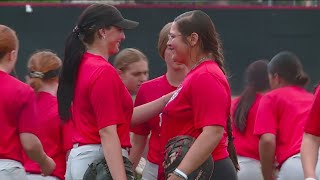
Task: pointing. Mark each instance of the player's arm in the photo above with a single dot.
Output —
(267, 146)
(138, 146)
(309, 154)
(149, 110)
(112, 151)
(33, 148)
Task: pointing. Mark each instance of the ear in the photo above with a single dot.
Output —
(277, 78)
(102, 33)
(193, 39)
(27, 78)
(13, 55)
(119, 72)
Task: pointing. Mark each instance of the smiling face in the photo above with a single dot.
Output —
(177, 45)
(169, 61)
(114, 36)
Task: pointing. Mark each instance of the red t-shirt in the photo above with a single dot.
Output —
(68, 133)
(50, 133)
(203, 99)
(100, 100)
(149, 91)
(17, 115)
(313, 121)
(246, 143)
(283, 112)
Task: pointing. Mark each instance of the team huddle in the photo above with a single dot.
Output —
(75, 118)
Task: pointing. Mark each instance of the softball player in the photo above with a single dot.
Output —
(281, 116)
(44, 68)
(244, 109)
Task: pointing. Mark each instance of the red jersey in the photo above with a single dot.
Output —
(283, 112)
(50, 134)
(68, 133)
(203, 99)
(313, 122)
(100, 100)
(17, 115)
(149, 91)
(246, 143)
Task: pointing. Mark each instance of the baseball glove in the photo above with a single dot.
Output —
(98, 170)
(175, 151)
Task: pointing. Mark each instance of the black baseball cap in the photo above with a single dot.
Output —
(122, 22)
(113, 17)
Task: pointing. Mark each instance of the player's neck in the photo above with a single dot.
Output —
(50, 88)
(96, 50)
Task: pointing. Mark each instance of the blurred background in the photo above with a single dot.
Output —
(249, 29)
(194, 2)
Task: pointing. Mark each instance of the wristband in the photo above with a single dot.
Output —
(180, 174)
(310, 178)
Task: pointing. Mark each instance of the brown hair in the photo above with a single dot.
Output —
(163, 39)
(288, 66)
(199, 22)
(128, 56)
(8, 40)
(256, 79)
(43, 66)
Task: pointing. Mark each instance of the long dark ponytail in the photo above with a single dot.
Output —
(246, 100)
(256, 78)
(74, 50)
(231, 148)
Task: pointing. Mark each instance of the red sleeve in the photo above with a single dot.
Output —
(104, 98)
(313, 122)
(28, 115)
(210, 101)
(141, 129)
(266, 118)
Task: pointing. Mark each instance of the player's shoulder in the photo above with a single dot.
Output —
(154, 82)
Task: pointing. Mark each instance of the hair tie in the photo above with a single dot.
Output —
(51, 74)
(76, 30)
(36, 74)
(47, 75)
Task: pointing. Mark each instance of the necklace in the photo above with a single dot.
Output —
(204, 59)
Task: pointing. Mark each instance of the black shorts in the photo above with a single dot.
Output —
(224, 170)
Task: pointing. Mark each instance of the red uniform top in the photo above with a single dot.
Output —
(68, 131)
(203, 99)
(100, 100)
(246, 143)
(17, 115)
(313, 121)
(50, 135)
(283, 112)
(149, 91)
